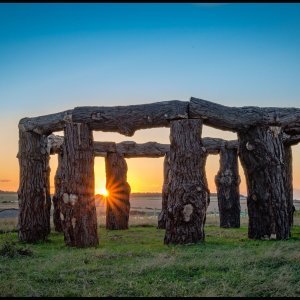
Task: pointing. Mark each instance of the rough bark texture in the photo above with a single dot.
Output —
(117, 202)
(262, 155)
(46, 124)
(55, 143)
(165, 192)
(188, 194)
(288, 142)
(288, 160)
(34, 189)
(127, 119)
(241, 118)
(214, 145)
(57, 196)
(227, 182)
(78, 210)
(130, 149)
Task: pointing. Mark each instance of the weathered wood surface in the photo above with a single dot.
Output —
(57, 197)
(188, 191)
(262, 154)
(34, 187)
(78, 210)
(288, 162)
(46, 124)
(131, 149)
(55, 143)
(242, 118)
(161, 224)
(127, 119)
(291, 140)
(227, 182)
(117, 202)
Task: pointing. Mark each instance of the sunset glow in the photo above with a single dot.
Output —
(102, 191)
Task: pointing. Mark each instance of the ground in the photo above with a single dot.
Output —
(135, 262)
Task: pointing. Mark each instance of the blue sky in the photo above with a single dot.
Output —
(57, 56)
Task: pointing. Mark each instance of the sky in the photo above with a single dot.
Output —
(54, 57)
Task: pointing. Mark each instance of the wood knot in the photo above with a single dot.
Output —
(73, 222)
(66, 198)
(73, 199)
(250, 147)
(187, 211)
(275, 130)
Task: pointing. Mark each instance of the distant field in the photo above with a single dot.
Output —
(144, 210)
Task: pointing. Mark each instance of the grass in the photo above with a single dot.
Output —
(135, 262)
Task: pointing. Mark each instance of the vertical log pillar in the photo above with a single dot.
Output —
(262, 155)
(57, 195)
(78, 210)
(288, 160)
(117, 202)
(34, 189)
(188, 192)
(227, 181)
(165, 192)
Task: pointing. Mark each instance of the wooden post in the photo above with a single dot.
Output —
(78, 210)
(188, 194)
(117, 202)
(288, 159)
(227, 181)
(262, 155)
(165, 193)
(57, 195)
(34, 189)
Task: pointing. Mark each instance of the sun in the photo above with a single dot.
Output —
(103, 191)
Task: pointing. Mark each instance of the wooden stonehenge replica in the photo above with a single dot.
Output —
(265, 137)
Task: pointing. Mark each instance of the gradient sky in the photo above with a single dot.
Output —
(54, 57)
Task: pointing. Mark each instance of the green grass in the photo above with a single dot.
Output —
(135, 262)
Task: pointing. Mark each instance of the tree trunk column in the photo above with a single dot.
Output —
(188, 192)
(289, 183)
(262, 155)
(117, 202)
(78, 210)
(227, 181)
(34, 189)
(165, 192)
(57, 195)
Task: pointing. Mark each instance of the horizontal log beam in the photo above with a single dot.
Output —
(46, 124)
(130, 149)
(242, 118)
(214, 145)
(127, 119)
